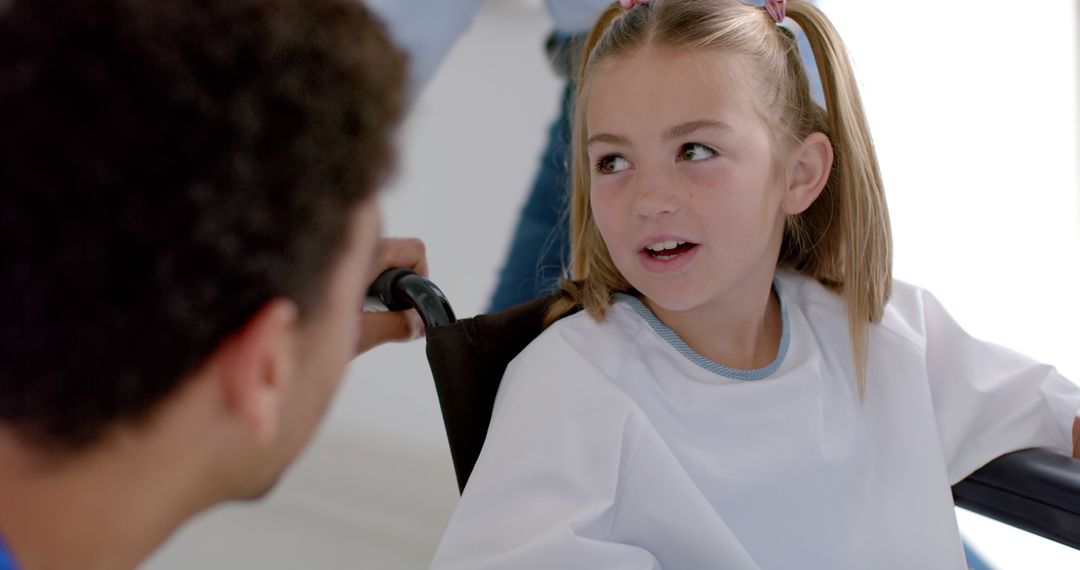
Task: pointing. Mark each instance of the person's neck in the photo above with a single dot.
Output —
(106, 508)
(741, 330)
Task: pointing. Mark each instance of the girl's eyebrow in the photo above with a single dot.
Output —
(608, 138)
(678, 131)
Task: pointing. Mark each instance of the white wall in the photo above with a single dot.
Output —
(973, 107)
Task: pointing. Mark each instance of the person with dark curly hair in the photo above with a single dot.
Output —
(188, 224)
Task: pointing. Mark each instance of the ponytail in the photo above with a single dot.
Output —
(853, 203)
(593, 277)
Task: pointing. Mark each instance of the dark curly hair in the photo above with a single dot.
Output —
(166, 168)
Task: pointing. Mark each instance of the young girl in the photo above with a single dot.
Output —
(747, 387)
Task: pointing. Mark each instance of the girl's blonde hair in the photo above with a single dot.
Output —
(843, 239)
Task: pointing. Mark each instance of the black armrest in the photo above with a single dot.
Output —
(1033, 489)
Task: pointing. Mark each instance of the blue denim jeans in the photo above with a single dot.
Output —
(540, 246)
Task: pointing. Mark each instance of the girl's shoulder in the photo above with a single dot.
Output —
(577, 355)
(602, 343)
(905, 312)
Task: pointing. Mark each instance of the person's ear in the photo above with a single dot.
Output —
(255, 364)
(808, 171)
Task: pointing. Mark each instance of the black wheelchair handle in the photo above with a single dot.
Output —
(403, 289)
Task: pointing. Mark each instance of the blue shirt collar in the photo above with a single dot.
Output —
(679, 344)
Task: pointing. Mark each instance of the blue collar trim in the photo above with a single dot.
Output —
(676, 341)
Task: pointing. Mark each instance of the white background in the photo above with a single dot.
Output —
(973, 107)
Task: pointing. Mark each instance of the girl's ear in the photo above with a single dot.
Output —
(808, 171)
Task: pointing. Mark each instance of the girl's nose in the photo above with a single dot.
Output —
(655, 196)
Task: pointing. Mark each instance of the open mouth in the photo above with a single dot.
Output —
(668, 250)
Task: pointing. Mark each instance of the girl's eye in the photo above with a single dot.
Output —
(695, 152)
(611, 164)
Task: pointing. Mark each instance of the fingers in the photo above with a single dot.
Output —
(399, 326)
(1076, 438)
(380, 328)
(402, 252)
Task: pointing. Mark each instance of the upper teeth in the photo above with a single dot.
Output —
(662, 245)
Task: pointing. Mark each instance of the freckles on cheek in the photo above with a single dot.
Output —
(709, 182)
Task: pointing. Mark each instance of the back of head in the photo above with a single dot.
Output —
(166, 168)
(843, 239)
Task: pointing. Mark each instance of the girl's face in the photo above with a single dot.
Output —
(683, 185)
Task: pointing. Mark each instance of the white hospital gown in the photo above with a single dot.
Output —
(611, 447)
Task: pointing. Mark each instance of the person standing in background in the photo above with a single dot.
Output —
(538, 248)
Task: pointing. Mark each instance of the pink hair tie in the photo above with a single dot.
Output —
(628, 4)
(777, 9)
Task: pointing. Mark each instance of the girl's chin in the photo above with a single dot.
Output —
(672, 301)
